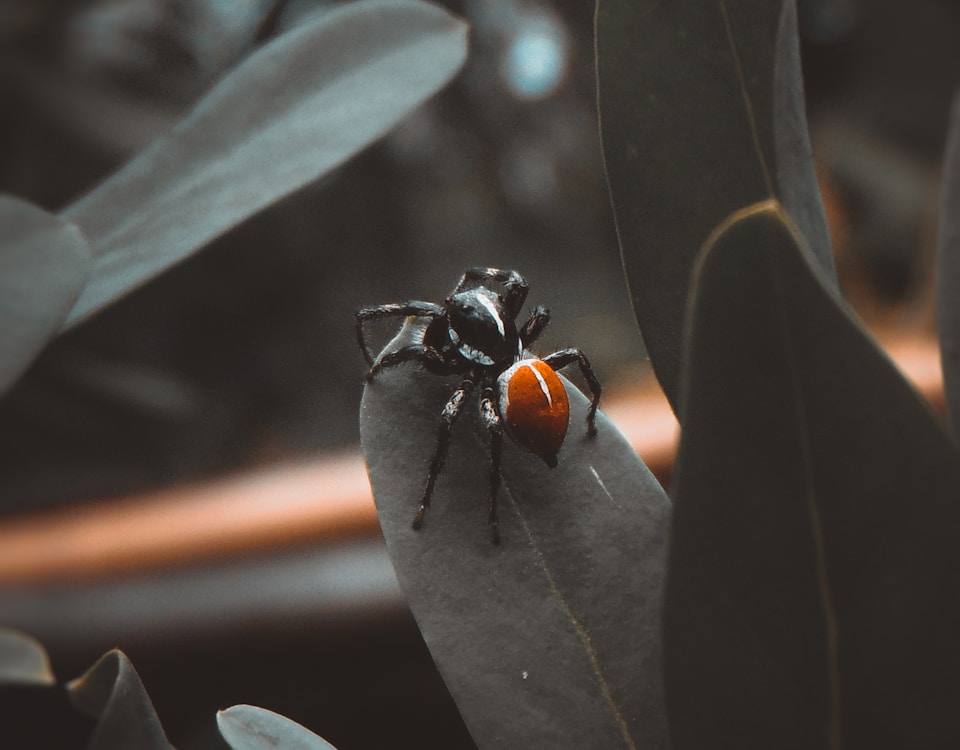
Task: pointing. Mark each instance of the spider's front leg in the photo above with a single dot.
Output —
(414, 307)
(531, 330)
(565, 357)
(417, 352)
(493, 423)
(448, 417)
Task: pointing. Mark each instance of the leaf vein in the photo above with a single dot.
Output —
(582, 633)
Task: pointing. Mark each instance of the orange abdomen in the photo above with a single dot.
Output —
(535, 408)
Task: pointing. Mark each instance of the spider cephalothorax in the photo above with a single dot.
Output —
(473, 332)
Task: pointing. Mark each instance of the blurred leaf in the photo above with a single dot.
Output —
(550, 639)
(948, 270)
(701, 111)
(23, 661)
(112, 693)
(252, 728)
(813, 594)
(44, 263)
(291, 112)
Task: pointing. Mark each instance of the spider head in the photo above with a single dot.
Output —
(480, 326)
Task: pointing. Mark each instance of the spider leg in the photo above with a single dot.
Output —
(447, 418)
(415, 308)
(515, 286)
(493, 423)
(563, 358)
(418, 352)
(531, 330)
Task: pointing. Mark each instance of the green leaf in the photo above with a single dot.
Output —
(948, 270)
(292, 111)
(112, 693)
(701, 111)
(813, 594)
(44, 263)
(551, 638)
(23, 661)
(252, 728)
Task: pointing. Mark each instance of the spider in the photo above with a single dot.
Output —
(473, 333)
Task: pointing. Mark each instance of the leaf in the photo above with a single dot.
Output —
(701, 112)
(44, 263)
(551, 638)
(813, 593)
(292, 111)
(111, 692)
(23, 661)
(948, 270)
(252, 728)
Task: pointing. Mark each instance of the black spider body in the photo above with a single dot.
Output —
(476, 329)
(473, 333)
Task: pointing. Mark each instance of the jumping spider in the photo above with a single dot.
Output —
(473, 332)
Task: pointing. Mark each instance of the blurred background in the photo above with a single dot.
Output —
(241, 363)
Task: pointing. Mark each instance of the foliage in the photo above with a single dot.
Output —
(43, 268)
(802, 588)
(809, 602)
(811, 595)
(22, 660)
(523, 630)
(113, 695)
(701, 112)
(292, 111)
(251, 728)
